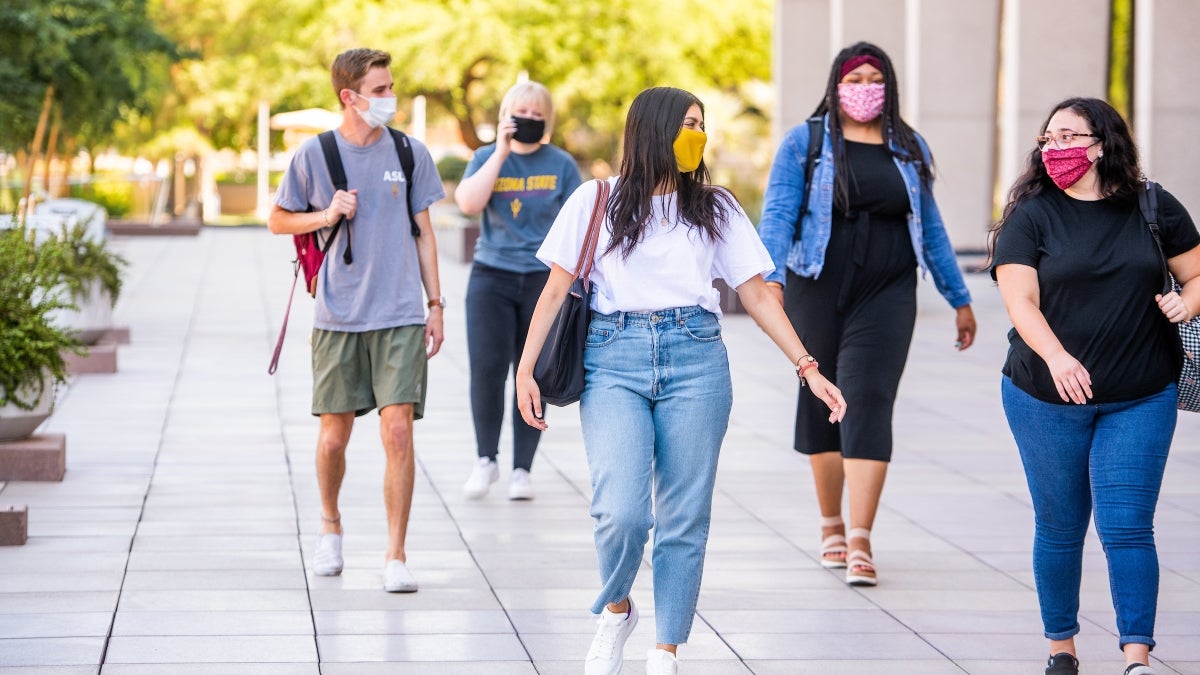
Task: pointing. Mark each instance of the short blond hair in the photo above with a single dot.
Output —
(529, 92)
(351, 66)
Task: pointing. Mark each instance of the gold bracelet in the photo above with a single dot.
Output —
(325, 217)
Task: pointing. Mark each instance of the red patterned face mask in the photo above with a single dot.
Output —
(1065, 167)
(862, 102)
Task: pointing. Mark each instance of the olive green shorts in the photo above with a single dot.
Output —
(363, 371)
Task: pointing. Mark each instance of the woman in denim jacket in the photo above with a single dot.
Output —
(848, 282)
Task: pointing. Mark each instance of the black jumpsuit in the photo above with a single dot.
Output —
(857, 317)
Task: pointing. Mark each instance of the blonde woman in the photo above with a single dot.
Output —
(518, 184)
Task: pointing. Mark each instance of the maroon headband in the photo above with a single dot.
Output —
(857, 61)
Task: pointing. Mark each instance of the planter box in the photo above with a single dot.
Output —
(100, 358)
(14, 525)
(93, 317)
(41, 457)
(16, 423)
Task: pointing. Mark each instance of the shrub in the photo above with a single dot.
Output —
(451, 168)
(30, 288)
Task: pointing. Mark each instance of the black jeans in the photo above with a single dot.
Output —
(499, 307)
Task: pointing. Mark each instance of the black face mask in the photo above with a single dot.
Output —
(529, 130)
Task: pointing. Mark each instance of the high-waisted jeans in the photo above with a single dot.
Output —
(1107, 458)
(653, 414)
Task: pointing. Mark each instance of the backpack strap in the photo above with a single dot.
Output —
(333, 161)
(407, 164)
(1148, 203)
(816, 134)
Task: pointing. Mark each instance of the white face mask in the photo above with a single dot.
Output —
(381, 111)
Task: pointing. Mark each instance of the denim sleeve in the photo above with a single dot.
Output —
(939, 254)
(781, 202)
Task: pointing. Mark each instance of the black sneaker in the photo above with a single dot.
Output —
(1062, 664)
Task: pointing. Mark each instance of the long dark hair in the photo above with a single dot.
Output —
(648, 162)
(895, 130)
(1118, 173)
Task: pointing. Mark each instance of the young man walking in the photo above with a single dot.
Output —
(372, 336)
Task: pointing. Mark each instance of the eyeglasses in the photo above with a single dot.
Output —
(1062, 139)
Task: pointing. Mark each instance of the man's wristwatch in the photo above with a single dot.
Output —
(439, 302)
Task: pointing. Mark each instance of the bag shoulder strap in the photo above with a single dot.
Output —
(407, 165)
(587, 254)
(333, 162)
(816, 134)
(1148, 203)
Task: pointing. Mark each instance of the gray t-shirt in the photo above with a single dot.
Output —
(525, 200)
(382, 287)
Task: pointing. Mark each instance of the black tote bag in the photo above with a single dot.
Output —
(559, 367)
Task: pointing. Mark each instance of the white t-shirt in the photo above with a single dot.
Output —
(673, 266)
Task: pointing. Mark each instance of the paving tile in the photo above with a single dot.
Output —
(212, 622)
(219, 580)
(67, 624)
(212, 669)
(444, 647)
(211, 648)
(830, 646)
(64, 651)
(59, 602)
(427, 668)
(214, 601)
(409, 622)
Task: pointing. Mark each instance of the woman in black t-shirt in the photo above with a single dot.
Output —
(1089, 383)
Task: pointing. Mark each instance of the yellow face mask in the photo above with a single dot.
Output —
(689, 149)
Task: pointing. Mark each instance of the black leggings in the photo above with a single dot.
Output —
(857, 319)
(499, 307)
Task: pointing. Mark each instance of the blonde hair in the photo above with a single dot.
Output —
(529, 92)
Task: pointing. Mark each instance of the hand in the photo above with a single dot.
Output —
(827, 392)
(1071, 379)
(345, 203)
(434, 335)
(504, 134)
(776, 290)
(529, 401)
(1173, 307)
(964, 323)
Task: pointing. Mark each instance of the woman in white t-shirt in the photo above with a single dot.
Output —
(658, 395)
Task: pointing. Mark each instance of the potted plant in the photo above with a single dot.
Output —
(91, 275)
(31, 345)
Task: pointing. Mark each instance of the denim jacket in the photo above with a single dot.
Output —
(806, 256)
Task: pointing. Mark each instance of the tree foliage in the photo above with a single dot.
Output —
(100, 57)
(594, 55)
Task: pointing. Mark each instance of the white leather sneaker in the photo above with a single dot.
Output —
(483, 475)
(519, 485)
(606, 654)
(659, 662)
(397, 578)
(327, 559)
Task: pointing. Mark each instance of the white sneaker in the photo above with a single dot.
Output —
(483, 475)
(397, 578)
(519, 485)
(606, 654)
(659, 662)
(327, 559)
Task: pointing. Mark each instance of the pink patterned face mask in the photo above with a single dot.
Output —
(863, 102)
(1065, 167)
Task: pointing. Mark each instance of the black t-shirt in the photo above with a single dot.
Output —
(1098, 272)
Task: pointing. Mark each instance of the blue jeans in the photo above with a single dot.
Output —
(654, 413)
(499, 306)
(1109, 458)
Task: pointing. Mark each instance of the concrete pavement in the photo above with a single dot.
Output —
(177, 541)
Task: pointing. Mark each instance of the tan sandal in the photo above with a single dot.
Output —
(834, 545)
(860, 569)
